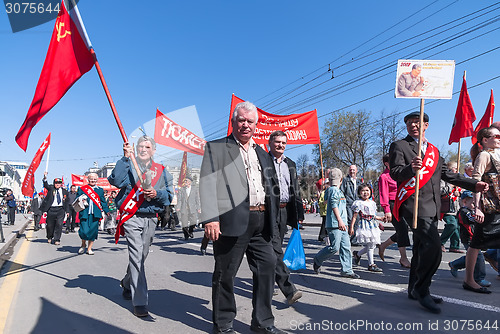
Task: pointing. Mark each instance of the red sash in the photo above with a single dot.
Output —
(407, 188)
(92, 195)
(134, 200)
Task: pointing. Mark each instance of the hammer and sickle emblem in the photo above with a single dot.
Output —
(59, 28)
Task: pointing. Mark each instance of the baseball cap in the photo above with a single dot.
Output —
(57, 180)
(466, 194)
(335, 177)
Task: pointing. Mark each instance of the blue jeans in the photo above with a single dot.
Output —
(339, 242)
(479, 269)
(495, 255)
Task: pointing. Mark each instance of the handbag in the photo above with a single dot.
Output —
(492, 228)
(295, 257)
(80, 203)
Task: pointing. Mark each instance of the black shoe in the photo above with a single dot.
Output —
(36, 229)
(126, 293)
(478, 290)
(191, 235)
(436, 300)
(427, 302)
(267, 330)
(66, 232)
(140, 311)
(225, 331)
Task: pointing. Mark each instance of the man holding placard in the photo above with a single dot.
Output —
(404, 162)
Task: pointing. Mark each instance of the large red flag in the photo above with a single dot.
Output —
(68, 58)
(464, 117)
(183, 173)
(487, 118)
(28, 186)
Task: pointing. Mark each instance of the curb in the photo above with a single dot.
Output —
(9, 238)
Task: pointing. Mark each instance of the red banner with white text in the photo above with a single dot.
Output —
(28, 186)
(299, 128)
(81, 180)
(171, 134)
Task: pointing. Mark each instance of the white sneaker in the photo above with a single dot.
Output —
(81, 250)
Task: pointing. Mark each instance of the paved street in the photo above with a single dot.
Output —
(50, 289)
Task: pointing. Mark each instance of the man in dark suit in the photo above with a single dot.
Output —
(239, 204)
(37, 212)
(404, 162)
(57, 205)
(291, 211)
(188, 206)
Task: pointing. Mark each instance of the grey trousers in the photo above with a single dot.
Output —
(139, 233)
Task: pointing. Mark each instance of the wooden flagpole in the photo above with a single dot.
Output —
(47, 162)
(115, 114)
(417, 173)
(321, 161)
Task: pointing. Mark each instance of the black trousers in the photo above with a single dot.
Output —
(282, 274)
(228, 254)
(322, 230)
(401, 236)
(55, 218)
(37, 218)
(426, 254)
(71, 221)
(11, 215)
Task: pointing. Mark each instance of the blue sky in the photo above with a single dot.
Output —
(176, 54)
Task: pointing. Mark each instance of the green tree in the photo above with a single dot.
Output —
(348, 139)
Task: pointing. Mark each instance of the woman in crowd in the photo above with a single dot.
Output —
(92, 214)
(487, 205)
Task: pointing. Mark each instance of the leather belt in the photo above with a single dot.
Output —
(283, 205)
(260, 208)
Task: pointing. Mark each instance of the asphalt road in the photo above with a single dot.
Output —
(51, 289)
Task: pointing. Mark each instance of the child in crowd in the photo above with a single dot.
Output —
(466, 222)
(336, 219)
(367, 230)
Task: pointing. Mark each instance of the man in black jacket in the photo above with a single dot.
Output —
(404, 162)
(239, 203)
(11, 207)
(37, 212)
(56, 204)
(291, 211)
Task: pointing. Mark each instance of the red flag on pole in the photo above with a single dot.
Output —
(487, 118)
(183, 173)
(28, 186)
(68, 58)
(464, 117)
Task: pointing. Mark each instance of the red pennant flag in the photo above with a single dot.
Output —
(68, 58)
(28, 186)
(487, 118)
(464, 117)
(183, 173)
(171, 134)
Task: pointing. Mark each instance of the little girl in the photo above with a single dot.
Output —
(367, 231)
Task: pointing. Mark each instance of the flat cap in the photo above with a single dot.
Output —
(416, 114)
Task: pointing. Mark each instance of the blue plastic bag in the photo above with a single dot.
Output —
(295, 257)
